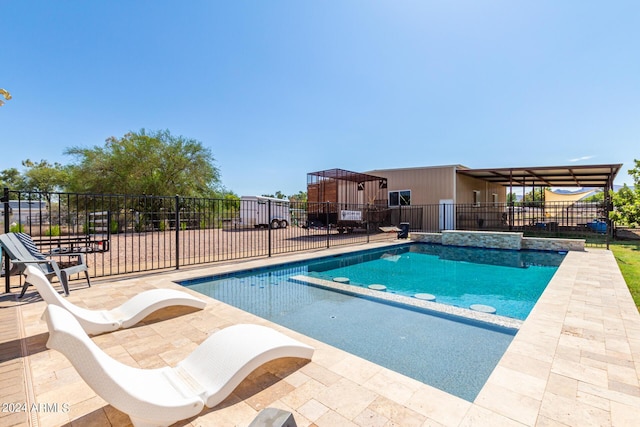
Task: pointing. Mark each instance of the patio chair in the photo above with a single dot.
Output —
(163, 396)
(22, 251)
(128, 314)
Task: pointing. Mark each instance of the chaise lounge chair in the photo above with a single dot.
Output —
(160, 397)
(22, 251)
(128, 314)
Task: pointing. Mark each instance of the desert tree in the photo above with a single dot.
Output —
(151, 163)
(626, 201)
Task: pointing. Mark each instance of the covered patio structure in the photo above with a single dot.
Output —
(550, 215)
(583, 176)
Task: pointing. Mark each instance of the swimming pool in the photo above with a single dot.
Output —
(454, 354)
(509, 281)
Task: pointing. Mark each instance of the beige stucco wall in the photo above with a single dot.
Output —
(428, 185)
(431, 184)
(466, 186)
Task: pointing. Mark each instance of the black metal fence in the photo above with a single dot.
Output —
(127, 234)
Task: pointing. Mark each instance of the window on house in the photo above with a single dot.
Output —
(476, 198)
(494, 199)
(400, 198)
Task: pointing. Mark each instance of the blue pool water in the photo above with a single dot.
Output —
(453, 354)
(509, 281)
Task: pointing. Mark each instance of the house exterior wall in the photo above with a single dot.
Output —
(428, 185)
(466, 185)
(480, 209)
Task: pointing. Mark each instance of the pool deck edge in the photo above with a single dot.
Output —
(434, 308)
(576, 358)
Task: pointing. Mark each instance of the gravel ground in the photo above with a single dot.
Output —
(134, 252)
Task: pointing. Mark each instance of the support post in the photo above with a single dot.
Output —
(608, 207)
(368, 222)
(177, 207)
(510, 204)
(326, 212)
(269, 227)
(5, 203)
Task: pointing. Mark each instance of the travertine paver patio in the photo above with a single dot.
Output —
(575, 361)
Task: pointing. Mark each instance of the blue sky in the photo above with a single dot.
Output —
(277, 89)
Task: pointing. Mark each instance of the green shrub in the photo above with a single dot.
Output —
(16, 228)
(54, 230)
(88, 229)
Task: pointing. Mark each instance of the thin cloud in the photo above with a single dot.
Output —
(577, 159)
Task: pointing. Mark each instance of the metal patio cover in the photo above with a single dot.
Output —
(600, 176)
(344, 175)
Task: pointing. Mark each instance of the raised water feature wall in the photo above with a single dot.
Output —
(497, 240)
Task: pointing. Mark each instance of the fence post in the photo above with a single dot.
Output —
(177, 217)
(368, 210)
(269, 227)
(326, 217)
(609, 223)
(5, 203)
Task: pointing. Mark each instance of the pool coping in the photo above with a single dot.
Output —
(574, 361)
(434, 308)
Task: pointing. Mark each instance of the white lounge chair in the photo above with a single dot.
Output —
(128, 314)
(160, 397)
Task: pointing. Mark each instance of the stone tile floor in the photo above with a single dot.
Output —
(574, 362)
